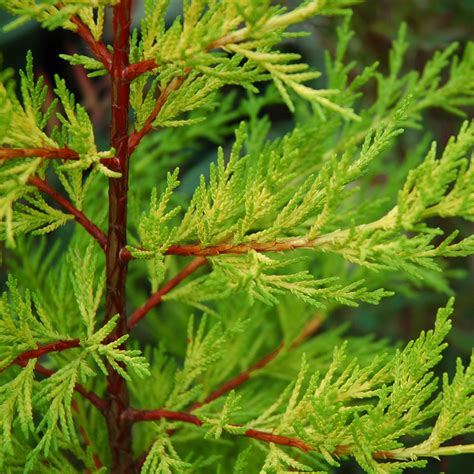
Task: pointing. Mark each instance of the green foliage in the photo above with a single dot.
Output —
(291, 222)
(24, 126)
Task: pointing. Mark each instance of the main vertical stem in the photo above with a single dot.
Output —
(120, 435)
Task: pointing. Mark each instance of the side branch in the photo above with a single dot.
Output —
(156, 298)
(133, 415)
(89, 226)
(57, 346)
(97, 47)
(214, 250)
(197, 250)
(46, 153)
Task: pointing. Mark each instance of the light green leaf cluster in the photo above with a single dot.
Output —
(88, 294)
(216, 426)
(24, 323)
(34, 215)
(55, 395)
(427, 88)
(277, 460)
(96, 67)
(16, 400)
(114, 354)
(252, 200)
(187, 52)
(52, 14)
(457, 401)
(437, 187)
(76, 182)
(163, 458)
(21, 126)
(388, 413)
(88, 297)
(366, 411)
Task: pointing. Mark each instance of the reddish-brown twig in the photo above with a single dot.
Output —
(46, 153)
(157, 297)
(49, 153)
(197, 250)
(40, 351)
(98, 48)
(79, 216)
(134, 416)
(134, 70)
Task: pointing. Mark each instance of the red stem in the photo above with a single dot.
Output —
(119, 429)
(47, 153)
(156, 298)
(90, 227)
(137, 69)
(135, 415)
(57, 346)
(97, 47)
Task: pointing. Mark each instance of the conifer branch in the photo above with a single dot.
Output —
(157, 297)
(97, 47)
(57, 346)
(79, 216)
(280, 21)
(134, 70)
(134, 416)
(198, 250)
(312, 327)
